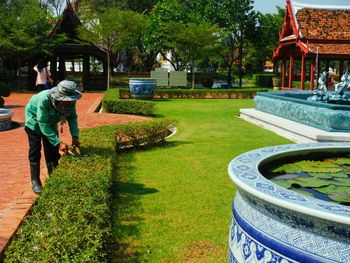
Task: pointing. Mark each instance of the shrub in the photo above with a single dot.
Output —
(263, 80)
(111, 103)
(2, 102)
(200, 93)
(144, 133)
(70, 221)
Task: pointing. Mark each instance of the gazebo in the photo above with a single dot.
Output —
(313, 34)
(73, 49)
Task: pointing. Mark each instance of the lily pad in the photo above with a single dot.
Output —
(333, 189)
(322, 175)
(288, 168)
(342, 161)
(309, 182)
(286, 176)
(340, 197)
(318, 167)
(341, 182)
(309, 167)
(303, 192)
(284, 183)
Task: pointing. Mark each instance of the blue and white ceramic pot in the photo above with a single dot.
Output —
(272, 224)
(142, 88)
(5, 119)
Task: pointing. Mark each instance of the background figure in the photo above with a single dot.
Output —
(43, 78)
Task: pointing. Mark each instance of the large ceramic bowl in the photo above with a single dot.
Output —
(5, 119)
(273, 224)
(142, 88)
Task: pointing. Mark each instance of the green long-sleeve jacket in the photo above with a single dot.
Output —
(41, 116)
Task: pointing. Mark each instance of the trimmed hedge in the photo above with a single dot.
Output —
(111, 103)
(199, 93)
(70, 221)
(143, 134)
(263, 80)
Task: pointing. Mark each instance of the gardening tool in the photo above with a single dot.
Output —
(73, 151)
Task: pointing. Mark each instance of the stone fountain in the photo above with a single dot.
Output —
(321, 94)
(303, 116)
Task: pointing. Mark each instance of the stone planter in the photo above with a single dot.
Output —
(273, 224)
(5, 119)
(142, 88)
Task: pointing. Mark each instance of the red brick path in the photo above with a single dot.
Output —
(16, 196)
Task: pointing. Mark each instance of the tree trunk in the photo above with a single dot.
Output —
(192, 71)
(229, 76)
(108, 69)
(240, 63)
(18, 73)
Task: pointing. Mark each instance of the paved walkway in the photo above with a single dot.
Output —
(16, 196)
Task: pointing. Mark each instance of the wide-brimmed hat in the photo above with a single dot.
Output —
(65, 90)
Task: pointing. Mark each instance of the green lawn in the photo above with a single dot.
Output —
(173, 202)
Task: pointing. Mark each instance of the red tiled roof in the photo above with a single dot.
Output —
(330, 49)
(325, 24)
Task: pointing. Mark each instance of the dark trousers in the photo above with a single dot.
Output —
(51, 152)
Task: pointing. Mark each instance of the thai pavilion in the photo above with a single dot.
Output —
(313, 38)
(73, 49)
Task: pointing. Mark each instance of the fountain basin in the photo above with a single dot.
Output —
(5, 119)
(293, 105)
(273, 224)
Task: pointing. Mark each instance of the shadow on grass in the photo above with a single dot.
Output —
(126, 210)
(157, 115)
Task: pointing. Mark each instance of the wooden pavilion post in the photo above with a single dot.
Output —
(53, 68)
(312, 74)
(283, 73)
(61, 68)
(86, 71)
(303, 69)
(291, 69)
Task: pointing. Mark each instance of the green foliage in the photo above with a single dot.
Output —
(70, 221)
(111, 103)
(143, 134)
(24, 29)
(265, 41)
(263, 80)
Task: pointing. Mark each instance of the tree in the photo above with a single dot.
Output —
(266, 40)
(154, 39)
(190, 43)
(111, 30)
(237, 20)
(24, 32)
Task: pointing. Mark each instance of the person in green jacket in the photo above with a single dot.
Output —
(42, 114)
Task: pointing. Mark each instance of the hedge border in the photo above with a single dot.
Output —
(113, 104)
(245, 93)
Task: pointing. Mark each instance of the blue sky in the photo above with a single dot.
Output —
(269, 6)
